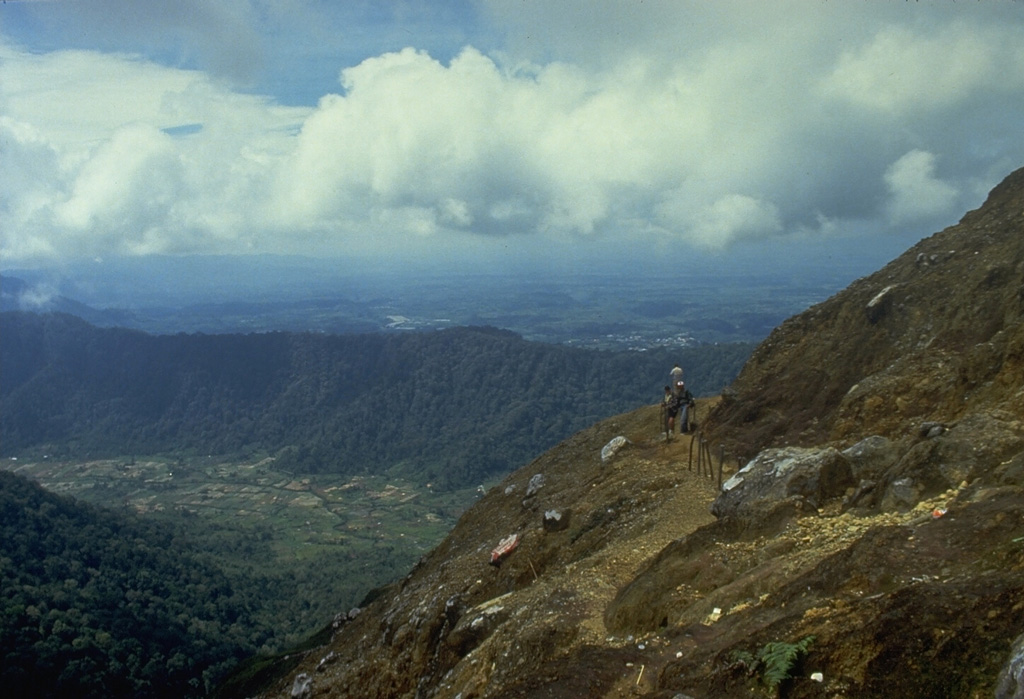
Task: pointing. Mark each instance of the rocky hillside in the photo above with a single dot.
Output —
(936, 335)
(872, 545)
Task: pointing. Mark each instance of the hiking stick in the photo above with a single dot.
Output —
(700, 454)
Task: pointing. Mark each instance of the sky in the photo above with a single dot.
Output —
(499, 132)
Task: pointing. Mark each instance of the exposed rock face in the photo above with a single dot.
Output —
(812, 476)
(1011, 679)
(878, 520)
(934, 335)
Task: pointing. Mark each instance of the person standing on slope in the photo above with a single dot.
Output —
(684, 404)
(669, 409)
(676, 376)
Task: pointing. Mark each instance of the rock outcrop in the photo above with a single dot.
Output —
(935, 335)
(871, 545)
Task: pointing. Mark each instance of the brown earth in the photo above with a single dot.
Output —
(934, 335)
(909, 583)
(556, 584)
(557, 619)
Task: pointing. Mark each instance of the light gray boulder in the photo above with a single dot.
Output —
(812, 476)
(1010, 684)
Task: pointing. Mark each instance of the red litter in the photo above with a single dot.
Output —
(504, 548)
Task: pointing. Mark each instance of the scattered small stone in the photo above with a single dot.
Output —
(879, 305)
(325, 661)
(555, 520)
(302, 686)
(535, 484)
(613, 447)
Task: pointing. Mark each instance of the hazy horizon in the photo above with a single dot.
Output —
(128, 281)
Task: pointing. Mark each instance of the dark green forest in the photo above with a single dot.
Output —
(106, 604)
(452, 406)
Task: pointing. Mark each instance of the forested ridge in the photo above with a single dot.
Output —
(98, 603)
(453, 405)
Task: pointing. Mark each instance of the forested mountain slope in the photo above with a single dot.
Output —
(452, 406)
(103, 604)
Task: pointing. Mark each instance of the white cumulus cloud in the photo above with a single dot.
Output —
(631, 124)
(916, 193)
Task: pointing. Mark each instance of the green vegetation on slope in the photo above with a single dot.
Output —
(312, 545)
(102, 604)
(454, 406)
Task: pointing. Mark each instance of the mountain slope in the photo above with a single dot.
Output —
(934, 335)
(102, 604)
(18, 295)
(459, 624)
(874, 549)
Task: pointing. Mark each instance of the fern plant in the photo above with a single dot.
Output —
(777, 658)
